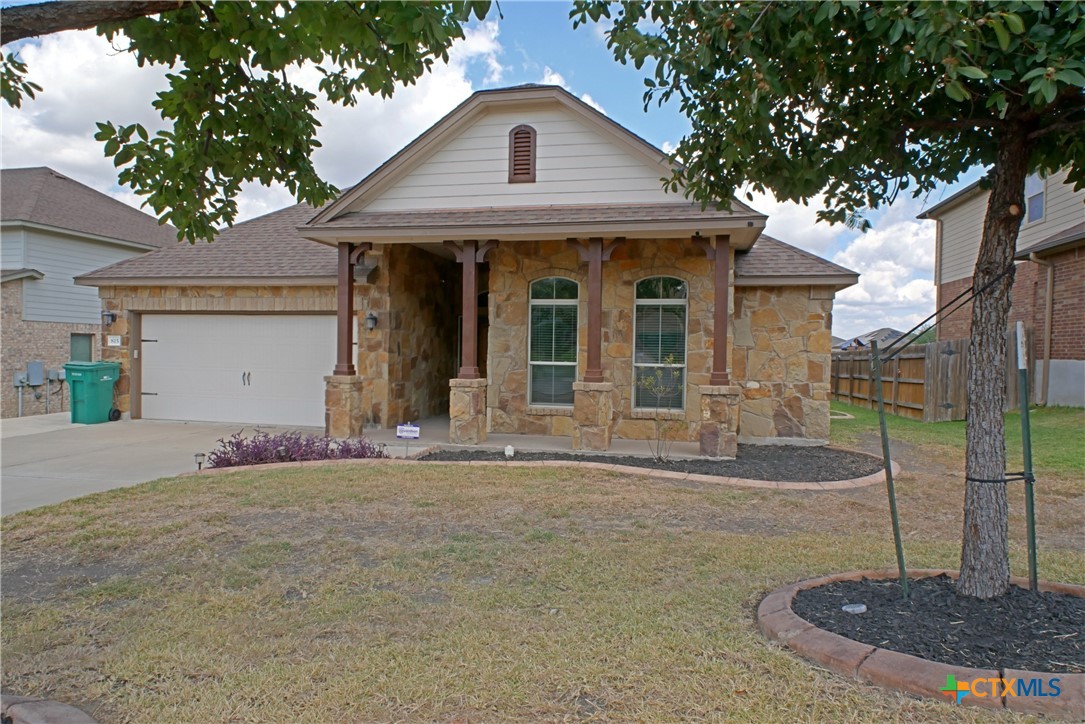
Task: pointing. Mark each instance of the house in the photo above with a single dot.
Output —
(1049, 282)
(52, 229)
(519, 268)
(885, 336)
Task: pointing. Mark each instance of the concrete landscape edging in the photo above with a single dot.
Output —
(903, 672)
(31, 710)
(668, 475)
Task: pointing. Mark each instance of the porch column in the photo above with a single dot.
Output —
(592, 396)
(594, 252)
(349, 256)
(344, 312)
(467, 408)
(343, 388)
(721, 314)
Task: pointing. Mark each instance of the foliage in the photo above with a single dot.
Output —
(13, 83)
(288, 447)
(856, 100)
(926, 334)
(234, 113)
(860, 101)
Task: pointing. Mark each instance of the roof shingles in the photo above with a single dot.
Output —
(43, 196)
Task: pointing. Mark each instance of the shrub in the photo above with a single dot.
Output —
(287, 447)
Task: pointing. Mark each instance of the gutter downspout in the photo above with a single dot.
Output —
(1048, 314)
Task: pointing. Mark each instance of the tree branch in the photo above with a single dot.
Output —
(944, 124)
(28, 21)
(1054, 127)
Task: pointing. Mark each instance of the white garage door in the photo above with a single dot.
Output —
(255, 369)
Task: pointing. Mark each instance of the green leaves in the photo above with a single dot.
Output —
(857, 100)
(232, 113)
(13, 84)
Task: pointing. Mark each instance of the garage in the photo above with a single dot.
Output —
(263, 369)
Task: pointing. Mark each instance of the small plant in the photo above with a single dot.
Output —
(660, 384)
(287, 447)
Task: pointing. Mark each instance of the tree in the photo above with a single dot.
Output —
(863, 100)
(234, 116)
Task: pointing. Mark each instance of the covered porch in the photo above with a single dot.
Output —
(581, 249)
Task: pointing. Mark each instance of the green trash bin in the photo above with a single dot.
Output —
(91, 385)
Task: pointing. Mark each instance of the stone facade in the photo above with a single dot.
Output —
(514, 265)
(781, 358)
(720, 410)
(467, 412)
(343, 411)
(593, 415)
(23, 341)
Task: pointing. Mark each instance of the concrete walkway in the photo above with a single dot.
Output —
(45, 459)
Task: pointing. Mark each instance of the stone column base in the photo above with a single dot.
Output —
(467, 412)
(343, 406)
(592, 415)
(719, 420)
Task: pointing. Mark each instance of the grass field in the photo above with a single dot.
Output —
(358, 593)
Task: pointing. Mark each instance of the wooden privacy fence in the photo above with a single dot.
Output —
(925, 382)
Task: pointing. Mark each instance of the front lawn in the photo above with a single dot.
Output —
(378, 592)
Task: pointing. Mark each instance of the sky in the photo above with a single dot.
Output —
(85, 80)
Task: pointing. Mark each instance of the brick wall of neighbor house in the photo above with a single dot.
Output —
(208, 299)
(514, 265)
(1029, 305)
(781, 359)
(23, 341)
(424, 293)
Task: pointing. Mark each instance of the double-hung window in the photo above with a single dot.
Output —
(659, 344)
(552, 341)
(1034, 198)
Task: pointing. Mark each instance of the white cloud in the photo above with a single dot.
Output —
(86, 80)
(796, 224)
(895, 261)
(552, 77)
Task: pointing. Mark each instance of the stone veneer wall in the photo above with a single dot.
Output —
(197, 299)
(22, 341)
(514, 265)
(781, 358)
(424, 296)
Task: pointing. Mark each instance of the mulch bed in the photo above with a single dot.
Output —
(754, 462)
(1022, 630)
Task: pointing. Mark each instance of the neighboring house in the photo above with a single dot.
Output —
(1049, 283)
(518, 268)
(51, 230)
(885, 337)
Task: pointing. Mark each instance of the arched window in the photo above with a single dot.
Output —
(522, 155)
(552, 341)
(659, 344)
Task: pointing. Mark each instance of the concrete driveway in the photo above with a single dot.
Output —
(45, 459)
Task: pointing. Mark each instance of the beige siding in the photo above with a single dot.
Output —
(962, 226)
(576, 164)
(1063, 207)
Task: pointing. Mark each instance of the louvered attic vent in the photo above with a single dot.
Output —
(522, 155)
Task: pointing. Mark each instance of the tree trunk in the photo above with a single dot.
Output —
(28, 21)
(985, 554)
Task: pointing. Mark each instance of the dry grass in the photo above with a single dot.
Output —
(454, 593)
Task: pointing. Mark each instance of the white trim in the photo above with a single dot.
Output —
(684, 303)
(575, 303)
(79, 235)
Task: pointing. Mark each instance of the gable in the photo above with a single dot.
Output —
(577, 163)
